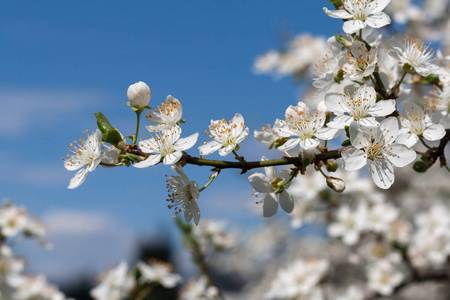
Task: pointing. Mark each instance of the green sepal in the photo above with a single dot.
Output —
(110, 134)
(147, 106)
(342, 40)
(346, 143)
(132, 157)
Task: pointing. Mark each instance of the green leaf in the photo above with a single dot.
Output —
(110, 134)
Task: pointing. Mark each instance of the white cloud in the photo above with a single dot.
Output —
(25, 109)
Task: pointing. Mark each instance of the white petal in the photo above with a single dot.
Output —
(270, 205)
(271, 172)
(186, 143)
(226, 150)
(149, 146)
(382, 108)
(407, 139)
(389, 127)
(434, 132)
(260, 183)
(378, 20)
(195, 192)
(337, 14)
(353, 26)
(382, 173)
(368, 122)
(78, 178)
(326, 133)
(353, 159)
(286, 201)
(358, 138)
(243, 135)
(209, 148)
(150, 161)
(340, 121)
(172, 158)
(192, 211)
(400, 155)
(380, 5)
(309, 143)
(290, 144)
(180, 172)
(396, 54)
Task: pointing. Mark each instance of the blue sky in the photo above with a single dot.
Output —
(64, 60)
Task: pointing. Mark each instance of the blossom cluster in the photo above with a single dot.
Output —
(16, 223)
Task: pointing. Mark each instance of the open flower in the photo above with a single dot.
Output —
(376, 147)
(166, 115)
(116, 284)
(384, 277)
(360, 62)
(417, 123)
(272, 186)
(416, 54)
(159, 272)
(166, 145)
(360, 14)
(361, 107)
(86, 153)
(268, 136)
(183, 195)
(226, 136)
(307, 128)
(349, 224)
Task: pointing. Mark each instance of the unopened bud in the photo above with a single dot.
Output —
(339, 76)
(421, 166)
(336, 184)
(342, 40)
(332, 166)
(138, 95)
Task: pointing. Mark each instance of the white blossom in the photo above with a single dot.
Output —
(299, 279)
(86, 155)
(166, 145)
(183, 195)
(383, 277)
(212, 233)
(268, 135)
(166, 115)
(349, 223)
(360, 62)
(159, 272)
(13, 219)
(116, 284)
(272, 186)
(226, 135)
(199, 290)
(361, 107)
(306, 128)
(416, 54)
(376, 147)
(361, 13)
(416, 122)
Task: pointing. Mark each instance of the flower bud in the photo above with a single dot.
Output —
(332, 166)
(138, 95)
(336, 184)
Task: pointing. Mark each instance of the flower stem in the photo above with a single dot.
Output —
(401, 79)
(211, 179)
(138, 121)
(324, 175)
(423, 142)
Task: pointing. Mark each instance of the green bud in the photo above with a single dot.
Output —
(421, 166)
(339, 76)
(331, 166)
(110, 134)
